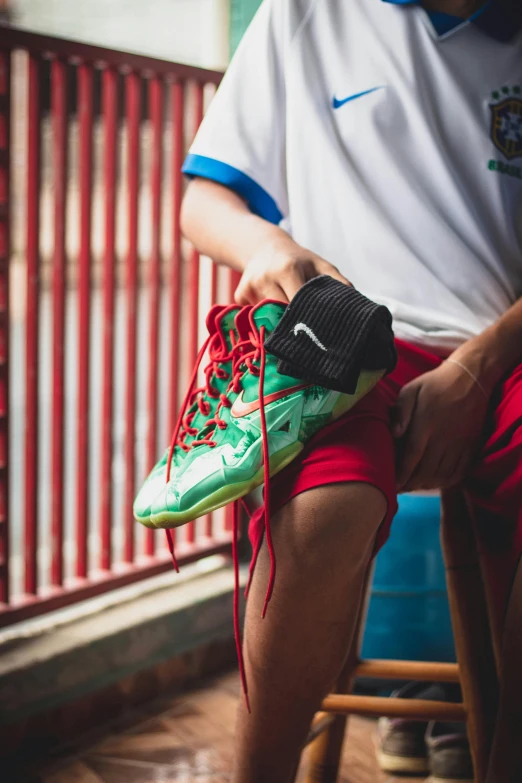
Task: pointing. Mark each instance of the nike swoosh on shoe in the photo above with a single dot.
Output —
(241, 408)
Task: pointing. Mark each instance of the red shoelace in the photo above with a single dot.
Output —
(217, 357)
(244, 355)
(183, 428)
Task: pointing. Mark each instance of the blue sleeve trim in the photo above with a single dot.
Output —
(260, 202)
(445, 23)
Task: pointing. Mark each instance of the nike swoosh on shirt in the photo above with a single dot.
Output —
(240, 408)
(306, 329)
(337, 103)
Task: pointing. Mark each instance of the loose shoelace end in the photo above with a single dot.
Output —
(170, 542)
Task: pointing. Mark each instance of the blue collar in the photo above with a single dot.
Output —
(500, 19)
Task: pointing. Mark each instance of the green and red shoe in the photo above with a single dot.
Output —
(258, 428)
(199, 405)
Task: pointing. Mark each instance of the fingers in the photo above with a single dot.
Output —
(324, 268)
(281, 285)
(411, 458)
(274, 291)
(281, 281)
(454, 468)
(427, 474)
(412, 447)
(404, 408)
(240, 296)
(291, 281)
(436, 471)
(247, 293)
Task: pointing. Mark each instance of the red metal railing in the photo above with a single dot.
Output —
(110, 121)
(97, 268)
(5, 93)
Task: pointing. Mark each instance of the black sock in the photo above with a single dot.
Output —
(330, 332)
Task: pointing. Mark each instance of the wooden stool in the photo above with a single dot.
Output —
(476, 669)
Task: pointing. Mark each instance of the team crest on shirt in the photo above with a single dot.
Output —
(506, 121)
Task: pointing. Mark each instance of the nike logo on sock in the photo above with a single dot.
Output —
(306, 329)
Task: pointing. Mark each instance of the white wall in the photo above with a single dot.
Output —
(191, 31)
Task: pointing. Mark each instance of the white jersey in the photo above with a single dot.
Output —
(389, 141)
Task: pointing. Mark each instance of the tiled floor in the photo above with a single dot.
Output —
(189, 738)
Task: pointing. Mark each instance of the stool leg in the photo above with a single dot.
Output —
(506, 752)
(470, 626)
(323, 755)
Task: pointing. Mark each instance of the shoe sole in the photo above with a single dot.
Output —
(145, 519)
(225, 495)
(449, 780)
(408, 765)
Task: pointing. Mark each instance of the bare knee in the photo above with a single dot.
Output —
(334, 520)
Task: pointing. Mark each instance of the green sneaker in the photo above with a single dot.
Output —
(226, 460)
(199, 405)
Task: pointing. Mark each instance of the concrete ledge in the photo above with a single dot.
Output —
(39, 674)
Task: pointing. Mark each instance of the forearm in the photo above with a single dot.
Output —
(220, 225)
(494, 352)
(273, 266)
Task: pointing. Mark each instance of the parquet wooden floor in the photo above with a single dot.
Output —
(188, 739)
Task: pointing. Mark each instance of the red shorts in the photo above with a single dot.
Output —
(359, 447)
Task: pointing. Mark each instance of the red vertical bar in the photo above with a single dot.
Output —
(208, 519)
(177, 107)
(85, 116)
(32, 323)
(132, 98)
(5, 158)
(194, 260)
(59, 120)
(194, 278)
(177, 98)
(156, 121)
(110, 129)
(233, 282)
(213, 283)
(229, 511)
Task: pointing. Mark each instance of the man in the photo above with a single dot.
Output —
(379, 142)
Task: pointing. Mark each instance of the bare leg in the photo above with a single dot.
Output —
(323, 540)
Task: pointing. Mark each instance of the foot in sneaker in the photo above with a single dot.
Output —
(199, 405)
(403, 745)
(448, 753)
(260, 425)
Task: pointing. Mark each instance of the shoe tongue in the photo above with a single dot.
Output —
(225, 323)
(242, 322)
(267, 314)
(211, 319)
